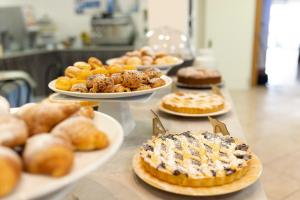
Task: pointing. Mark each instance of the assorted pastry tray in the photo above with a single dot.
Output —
(146, 57)
(49, 145)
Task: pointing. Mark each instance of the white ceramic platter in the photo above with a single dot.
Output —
(140, 67)
(168, 80)
(36, 186)
(226, 109)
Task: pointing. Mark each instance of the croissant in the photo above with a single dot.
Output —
(4, 106)
(42, 117)
(13, 131)
(49, 155)
(82, 133)
(10, 168)
(86, 111)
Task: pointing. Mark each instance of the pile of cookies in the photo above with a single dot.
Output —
(90, 78)
(40, 138)
(146, 56)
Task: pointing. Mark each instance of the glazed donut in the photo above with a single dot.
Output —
(13, 131)
(10, 168)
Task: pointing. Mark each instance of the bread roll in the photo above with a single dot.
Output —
(49, 155)
(10, 170)
(82, 133)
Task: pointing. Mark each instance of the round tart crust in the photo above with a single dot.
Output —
(193, 103)
(160, 163)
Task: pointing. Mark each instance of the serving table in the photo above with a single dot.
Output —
(116, 179)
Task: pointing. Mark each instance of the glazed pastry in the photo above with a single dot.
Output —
(13, 131)
(42, 117)
(134, 54)
(72, 72)
(63, 83)
(85, 111)
(94, 62)
(193, 103)
(153, 73)
(89, 81)
(160, 54)
(82, 65)
(120, 88)
(82, 133)
(102, 83)
(80, 87)
(196, 159)
(159, 61)
(157, 82)
(4, 106)
(131, 79)
(147, 51)
(147, 60)
(10, 168)
(143, 87)
(117, 78)
(49, 155)
(198, 76)
(133, 61)
(100, 70)
(115, 69)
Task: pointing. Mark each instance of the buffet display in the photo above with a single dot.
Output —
(67, 139)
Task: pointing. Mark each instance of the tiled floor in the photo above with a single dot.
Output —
(271, 122)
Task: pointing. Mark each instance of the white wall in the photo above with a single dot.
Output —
(171, 13)
(229, 24)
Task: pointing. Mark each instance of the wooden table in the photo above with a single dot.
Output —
(116, 179)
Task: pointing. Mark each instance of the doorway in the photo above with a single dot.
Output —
(283, 43)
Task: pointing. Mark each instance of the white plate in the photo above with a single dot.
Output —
(168, 80)
(35, 186)
(163, 66)
(226, 109)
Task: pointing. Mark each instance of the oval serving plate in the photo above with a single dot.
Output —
(226, 109)
(34, 186)
(167, 79)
